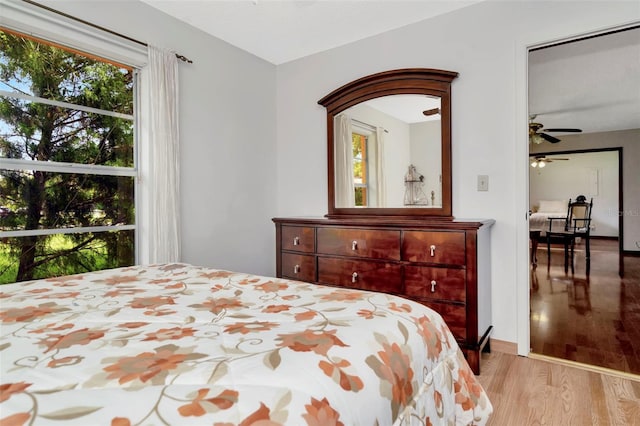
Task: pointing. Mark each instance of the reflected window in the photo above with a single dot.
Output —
(360, 166)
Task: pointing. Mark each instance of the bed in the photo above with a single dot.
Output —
(179, 344)
(539, 219)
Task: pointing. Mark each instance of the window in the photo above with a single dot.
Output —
(360, 163)
(67, 160)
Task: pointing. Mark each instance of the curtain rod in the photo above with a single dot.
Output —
(367, 125)
(181, 57)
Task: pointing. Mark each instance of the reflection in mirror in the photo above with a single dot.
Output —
(378, 176)
(388, 153)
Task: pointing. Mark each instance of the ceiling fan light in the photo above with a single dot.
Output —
(537, 139)
(541, 164)
(534, 163)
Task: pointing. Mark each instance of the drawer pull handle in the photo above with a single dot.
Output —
(432, 250)
(354, 277)
(433, 286)
(296, 269)
(296, 241)
(354, 245)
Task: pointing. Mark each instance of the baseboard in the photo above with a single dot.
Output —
(504, 346)
(587, 367)
(511, 348)
(602, 237)
(631, 253)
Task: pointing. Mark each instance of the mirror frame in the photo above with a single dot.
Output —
(421, 81)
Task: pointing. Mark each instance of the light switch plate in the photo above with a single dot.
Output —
(483, 183)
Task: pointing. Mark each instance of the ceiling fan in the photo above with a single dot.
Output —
(540, 160)
(537, 136)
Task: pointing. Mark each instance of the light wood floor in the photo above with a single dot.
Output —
(590, 318)
(527, 391)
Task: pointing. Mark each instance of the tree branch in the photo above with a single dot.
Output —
(62, 253)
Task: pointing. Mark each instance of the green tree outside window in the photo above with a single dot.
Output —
(58, 137)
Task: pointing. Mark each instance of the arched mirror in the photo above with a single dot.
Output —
(389, 145)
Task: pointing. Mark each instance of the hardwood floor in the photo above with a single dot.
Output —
(589, 318)
(527, 391)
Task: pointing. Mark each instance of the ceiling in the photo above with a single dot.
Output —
(593, 84)
(280, 31)
(406, 108)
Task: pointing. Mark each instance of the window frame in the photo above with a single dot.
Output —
(364, 147)
(70, 34)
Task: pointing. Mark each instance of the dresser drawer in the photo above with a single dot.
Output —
(377, 276)
(298, 238)
(434, 247)
(450, 284)
(300, 267)
(455, 316)
(370, 243)
(394, 255)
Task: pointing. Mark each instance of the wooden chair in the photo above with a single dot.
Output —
(577, 224)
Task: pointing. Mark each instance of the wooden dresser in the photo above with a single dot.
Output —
(442, 264)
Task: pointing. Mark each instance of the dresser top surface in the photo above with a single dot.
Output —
(388, 222)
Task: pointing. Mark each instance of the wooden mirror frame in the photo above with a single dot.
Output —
(421, 81)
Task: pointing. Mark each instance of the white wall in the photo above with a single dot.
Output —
(485, 43)
(426, 155)
(629, 141)
(227, 134)
(564, 180)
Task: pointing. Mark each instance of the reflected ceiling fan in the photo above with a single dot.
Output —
(541, 160)
(537, 136)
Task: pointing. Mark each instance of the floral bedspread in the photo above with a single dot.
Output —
(178, 344)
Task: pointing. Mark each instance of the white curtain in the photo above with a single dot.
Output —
(164, 165)
(381, 194)
(343, 152)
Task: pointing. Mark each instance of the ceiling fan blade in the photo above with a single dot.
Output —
(564, 130)
(549, 138)
(545, 158)
(431, 111)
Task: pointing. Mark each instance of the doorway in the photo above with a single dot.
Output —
(583, 314)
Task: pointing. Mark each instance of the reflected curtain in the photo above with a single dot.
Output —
(344, 186)
(381, 194)
(164, 164)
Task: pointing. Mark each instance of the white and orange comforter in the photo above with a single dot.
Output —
(177, 344)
